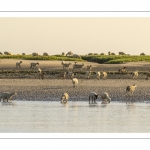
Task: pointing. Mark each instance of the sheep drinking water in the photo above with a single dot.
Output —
(130, 89)
(105, 98)
(64, 98)
(7, 95)
(93, 96)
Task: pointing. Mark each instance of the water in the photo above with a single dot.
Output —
(74, 117)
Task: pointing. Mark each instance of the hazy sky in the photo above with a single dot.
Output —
(79, 35)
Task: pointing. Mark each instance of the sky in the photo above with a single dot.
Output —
(79, 35)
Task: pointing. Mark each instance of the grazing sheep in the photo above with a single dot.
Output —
(23, 54)
(35, 54)
(18, 65)
(88, 74)
(64, 98)
(69, 53)
(148, 75)
(135, 74)
(45, 54)
(7, 95)
(89, 67)
(105, 98)
(93, 96)
(70, 75)
(104, 75)
(76, 56)
(41, 75)
(130, 89)
(122, 53)
(62, 75)
(142, 54)
(78, 66)
(7, 53)
(98, 74)
(74, 82)
(123, 70)
(66, 66)
(33, 64)
(39, 70)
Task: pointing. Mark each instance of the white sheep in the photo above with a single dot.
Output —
(64, 98)
(105, 98)
(70, 75)
(78, 66)
(98, 74)
(18, 65)
(66, 66)
(88, 74)
(39, 70)
(130, 89)
(33, 64)
(74, 82)
(7, 95)
(135, 74)
(93, 96)
(104, 75)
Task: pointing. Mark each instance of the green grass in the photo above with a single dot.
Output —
(113, 59)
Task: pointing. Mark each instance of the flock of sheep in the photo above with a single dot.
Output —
(92, 95)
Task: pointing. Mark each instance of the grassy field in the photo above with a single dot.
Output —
(102, 59)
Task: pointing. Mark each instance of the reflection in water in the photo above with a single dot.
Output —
(74, 117)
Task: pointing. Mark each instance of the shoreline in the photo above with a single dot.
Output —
(52, 90)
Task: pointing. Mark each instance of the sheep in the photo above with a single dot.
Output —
(7, 53)
(78, 66)
(130, 89)
(89, 67)
(74, 82)
(33, 64)
(39, 70)
(66, 66)
(148, 75)
(41, 75)
(18, 65)
(76, 56)
(7, 95)
(64, 98)
(135, 74)
(70, 75)
(88, 74)
(123, 70)
(122, 53)
(93, 96)
(104, 75)
(98, 74)
(62, 75)
(45, 54)
(105, 98)
(35, 54)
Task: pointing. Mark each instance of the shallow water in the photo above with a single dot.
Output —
(74, 117)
